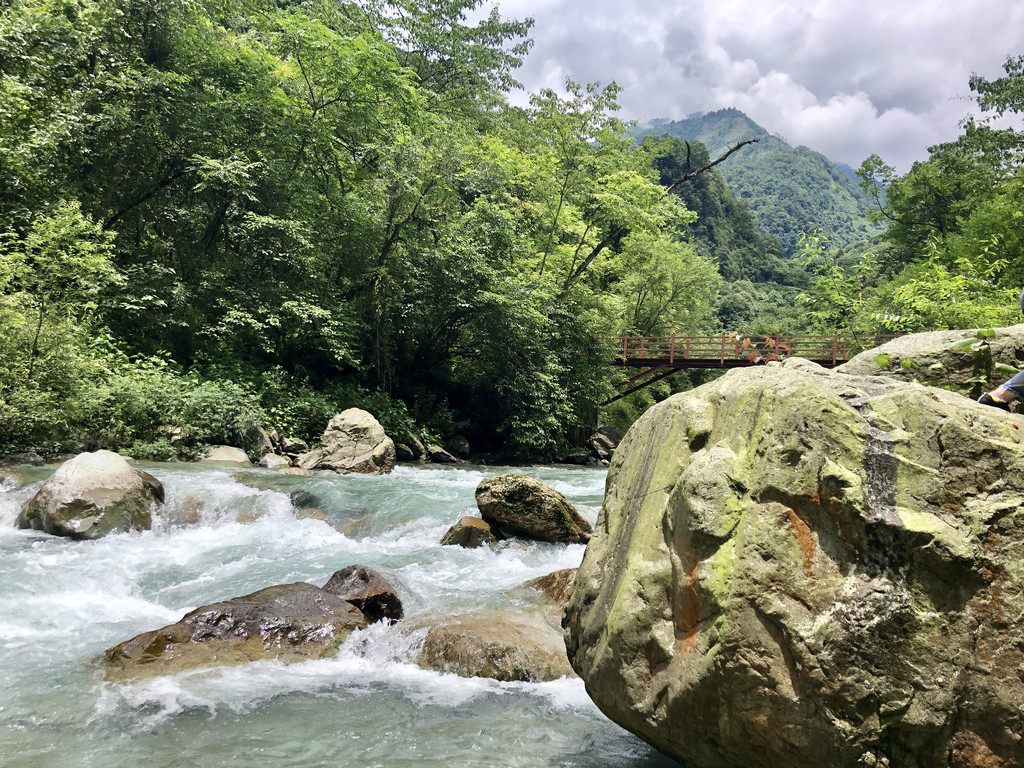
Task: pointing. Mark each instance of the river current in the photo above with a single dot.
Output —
(225, 533)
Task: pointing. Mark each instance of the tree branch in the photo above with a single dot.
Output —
(704, 168)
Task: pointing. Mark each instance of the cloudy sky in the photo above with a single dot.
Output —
(844, 77)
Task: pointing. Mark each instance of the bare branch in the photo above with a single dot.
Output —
(704, 168)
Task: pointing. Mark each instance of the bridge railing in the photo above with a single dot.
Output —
(731, 349)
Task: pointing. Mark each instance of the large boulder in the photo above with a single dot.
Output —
(288, 622)
(226, 454)
(522, 506)
(354, 441)
(970, 362)
(497, 645)
(92, 495)
(804, 568)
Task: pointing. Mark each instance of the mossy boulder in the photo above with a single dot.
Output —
(798, 567)
(92, 495)
(969, 361)
(524, 507)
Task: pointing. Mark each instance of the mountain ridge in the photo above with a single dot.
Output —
(788, 189)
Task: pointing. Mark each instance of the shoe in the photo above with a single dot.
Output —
(987, 399)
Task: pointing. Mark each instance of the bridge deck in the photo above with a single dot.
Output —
(661, 356)
(732, 350)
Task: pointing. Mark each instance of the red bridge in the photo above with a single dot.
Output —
(662, 356)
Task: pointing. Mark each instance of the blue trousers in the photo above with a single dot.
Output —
(1016, 385)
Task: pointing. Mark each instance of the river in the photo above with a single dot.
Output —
(63, 602)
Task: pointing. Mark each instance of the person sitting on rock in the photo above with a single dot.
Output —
(1008, 391)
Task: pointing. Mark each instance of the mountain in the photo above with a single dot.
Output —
(789, 189)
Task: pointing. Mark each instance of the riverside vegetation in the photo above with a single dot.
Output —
(218, 216)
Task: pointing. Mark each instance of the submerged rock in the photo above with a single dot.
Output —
(471, 532)
(497, 645)
(803, 568)
(287, 622)
(522, 506)
(555, 587)
(92, 495)
(354, 441)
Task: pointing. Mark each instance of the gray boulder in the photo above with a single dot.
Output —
(970, 362)
(804, 568)
(419, 452)
(354, 441)
(273, 461)
(603, 442)
(226, 454)
(522, 506)
(92, 495)
(288, 622)
(439, 455)
(458, 446)
(368, 591)
(28, 458)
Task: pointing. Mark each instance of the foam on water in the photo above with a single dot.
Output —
(227, 533)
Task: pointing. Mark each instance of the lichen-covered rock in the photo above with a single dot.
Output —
(971, 361)
(803, 568)
(354, 441)
(368, 591)
(497, 645)
(92, 495)
(522, 506)
(288, 622)
(471, 532)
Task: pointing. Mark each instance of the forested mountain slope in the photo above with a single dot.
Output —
(789, 189)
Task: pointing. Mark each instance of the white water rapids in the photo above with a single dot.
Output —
(226, 533)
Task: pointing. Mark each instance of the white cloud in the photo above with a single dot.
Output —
(846, 78)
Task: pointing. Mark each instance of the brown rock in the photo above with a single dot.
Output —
(289, 622)
(368, 591)
(496, 645)
(471, 532)
(556, 586)
(522, 506)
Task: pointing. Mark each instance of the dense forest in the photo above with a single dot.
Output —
(222, 215)
(787, 188)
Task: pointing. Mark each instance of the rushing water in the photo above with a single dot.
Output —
(226, 533)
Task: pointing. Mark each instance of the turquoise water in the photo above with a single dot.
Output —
(225, 533)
